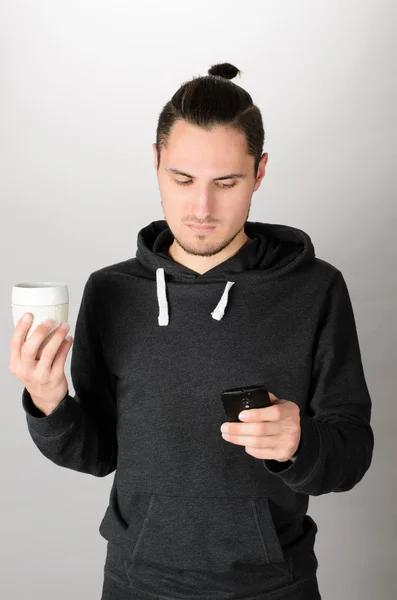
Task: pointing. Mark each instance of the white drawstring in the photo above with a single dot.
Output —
(162, 297)
(163, 318)
(219, 311)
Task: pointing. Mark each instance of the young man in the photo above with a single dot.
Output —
(211, 301)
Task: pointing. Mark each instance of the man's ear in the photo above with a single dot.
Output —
(155, 161)
(261, 170)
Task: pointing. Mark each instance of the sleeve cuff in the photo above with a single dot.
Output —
(66, 414)
(301, 470)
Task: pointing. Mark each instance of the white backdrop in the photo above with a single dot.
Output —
(82, 84)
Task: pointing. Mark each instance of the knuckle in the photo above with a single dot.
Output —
(27, 351)
(280, 452)
(292, 429)
(282, 456)
(278, 410)
(58, 334)
(56, 340)
(19, 373)
(288, 450)
(41, 331)
(286, 439)
(15, 341)
(48, 351)
(24, 373)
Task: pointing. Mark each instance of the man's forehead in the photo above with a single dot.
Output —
(227, 174)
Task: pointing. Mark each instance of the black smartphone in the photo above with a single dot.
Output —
(235, 400)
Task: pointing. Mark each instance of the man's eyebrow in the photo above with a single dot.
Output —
(228, 176)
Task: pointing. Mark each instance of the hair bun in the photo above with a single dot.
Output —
(225, 70)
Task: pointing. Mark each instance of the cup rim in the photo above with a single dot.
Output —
(34, 285)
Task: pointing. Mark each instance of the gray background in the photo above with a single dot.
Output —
(82, 84)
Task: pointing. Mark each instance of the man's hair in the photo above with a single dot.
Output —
(210, 101)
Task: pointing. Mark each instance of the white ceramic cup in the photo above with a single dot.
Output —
(45, 300)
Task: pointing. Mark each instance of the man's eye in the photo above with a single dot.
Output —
(228, 185)
(222, 185)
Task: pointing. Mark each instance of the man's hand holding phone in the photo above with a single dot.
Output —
(271, 433)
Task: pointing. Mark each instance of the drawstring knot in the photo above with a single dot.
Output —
(219, 310)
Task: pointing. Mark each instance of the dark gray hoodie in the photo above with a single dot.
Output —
(190, 515)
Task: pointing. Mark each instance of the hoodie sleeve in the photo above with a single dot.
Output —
(80, 434)
(336, 437)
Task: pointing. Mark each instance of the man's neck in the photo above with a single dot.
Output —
(202, 264)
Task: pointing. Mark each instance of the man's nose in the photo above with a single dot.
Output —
(203, 204)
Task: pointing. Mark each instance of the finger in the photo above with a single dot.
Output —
(31, 346)
(268, 413)
(17, 339)
(22, 350)
(260, 428)
(252, 441)
(58, 365)
(51, 348)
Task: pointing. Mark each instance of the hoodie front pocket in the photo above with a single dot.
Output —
(229, 537)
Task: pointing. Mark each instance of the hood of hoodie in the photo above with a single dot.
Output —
(274, 250)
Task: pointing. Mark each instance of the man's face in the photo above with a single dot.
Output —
(200, 198)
